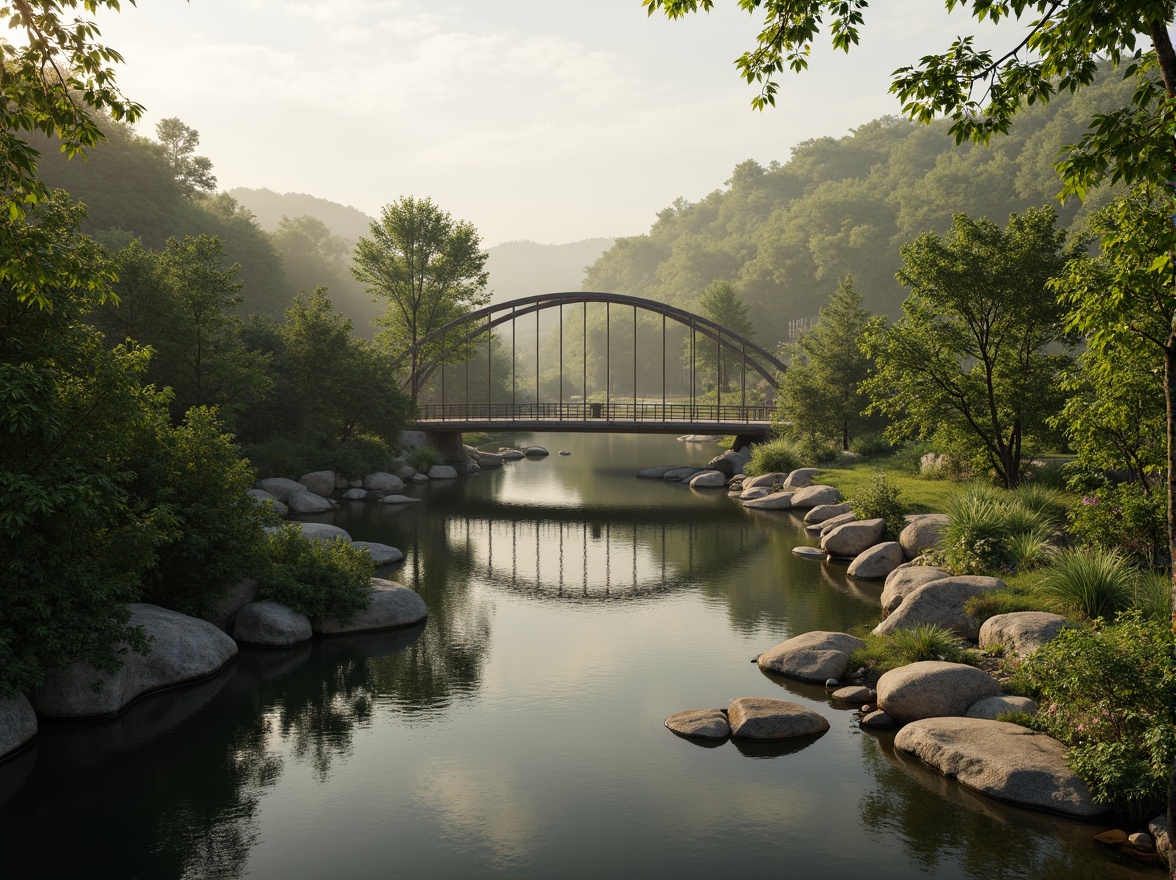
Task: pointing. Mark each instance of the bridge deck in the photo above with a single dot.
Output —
(620, 418)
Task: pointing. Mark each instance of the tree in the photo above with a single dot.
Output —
(722, 304)
(430, 269)
(820, 393)
(968, 362)
(193, 173)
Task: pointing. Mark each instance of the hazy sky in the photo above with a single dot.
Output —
(549, 120)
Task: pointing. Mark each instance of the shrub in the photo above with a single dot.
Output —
(909, 457)
(1043, 501)
(985, 523)
(320, 579)
(776, 456)
(881, 500)
(994, 602)
(902, 647)
(870, 444)
(1152, 595)
(424, 457)
(1105, 694)
(291, 456)
(1050, 474)
(812, 451)
(1097, 583)
(1028, 550)
(1123, 518)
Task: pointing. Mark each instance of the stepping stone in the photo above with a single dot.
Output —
(810, 553)
(761, 718)
(701, 723)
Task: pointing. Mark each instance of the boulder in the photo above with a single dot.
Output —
(355, 495)
(904, 580)
(442, 472)
(814, 496)
(701, 723)
(321, 483)
(399, 499)
(762, 718)
(222, 614)
(754, 492)
(323, 532)
(923, 533)
(510, 454)
(341, 482)
(708, 480)
(183, 649)
(1158, 828)
(390, 605)
(990, 707)
(1001, 760)
(801, 478)
(381, 554)
(823, 512)
(813, 656)
(941, 602)
(381, 481)
(855, 693)
(18, 724)
(271, 623)
(877, 562)
(810, 553)
(768, 480)
(280, 487)
(535, 452)
(775, 501)
(260, 497)
(851, 538)
(472, 468)
(725, 464)
(1021, 631)
(419, 479)
(932, 689)
(678, 474)
(878, 720)
(490, 460)
(307, 502)
(410, 440)
(835, 521)
(406, 473)
(650, 473)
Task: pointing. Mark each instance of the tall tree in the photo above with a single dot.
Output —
(820, 395)
(722, 304)
(430, 269)
(193, 173)
(969, 361)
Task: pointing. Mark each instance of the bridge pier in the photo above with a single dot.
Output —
(742, 440)
(449, 444)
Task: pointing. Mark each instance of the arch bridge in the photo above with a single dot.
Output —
(687, 375)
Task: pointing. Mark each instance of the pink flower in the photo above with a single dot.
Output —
(1089, 500)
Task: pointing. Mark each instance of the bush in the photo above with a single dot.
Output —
(993, 530)
(881, 500)
(1105, 694)
(776, 456)
(909, 457)
(1122, 518)
(424, 457)
(812, 451)
(869, 445)
(321, 579)
(905, 646)
(1097, 583)
(292, 456)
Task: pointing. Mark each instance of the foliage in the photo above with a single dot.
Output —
(881, 500)
(870, 444)
(775, 456)
(722, 304)
(921, 495)
(1123, 518)
(430, 269)
(904, 646)
(422, 458)
(1096, 583)
(193, 173)
(1105, 692)
(1008, 600)
(990, 529)
(819, 394)
(321, 579)
(968, 363)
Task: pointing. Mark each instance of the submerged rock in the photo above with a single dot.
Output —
(381, 554)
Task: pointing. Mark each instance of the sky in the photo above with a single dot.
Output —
(546, 120)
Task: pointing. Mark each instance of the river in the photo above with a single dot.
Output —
(518, 732)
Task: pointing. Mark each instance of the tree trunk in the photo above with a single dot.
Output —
(1169, 402)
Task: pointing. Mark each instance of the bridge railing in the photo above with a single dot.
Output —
(593, 412)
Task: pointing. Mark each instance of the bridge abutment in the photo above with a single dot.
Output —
(449, 444)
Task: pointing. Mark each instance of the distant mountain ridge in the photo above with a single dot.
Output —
(269, 207)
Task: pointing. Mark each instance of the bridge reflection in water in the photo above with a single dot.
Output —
(597, 561)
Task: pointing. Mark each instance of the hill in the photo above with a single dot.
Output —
(269, 207)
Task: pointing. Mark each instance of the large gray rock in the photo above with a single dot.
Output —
(410, 440)
(923, 533)
(183, 649)
(701, 723)
(442, 472)
(932, 689)
(762, 718)
(535, 451)
(390, 605)
(815, 496)
(801, 478)
(260, 497)
(490, 460)
(406, 472)
(775, 501)
(709, 479)
(1158, 828)
(307, 502)
(650, 473)
(768, 480)
(280, 487)
(381, 481)
(1021, 631)
(727, 464)
(941, 603)
(904, 580)
(381, 554)
(356, 495)
(877, 562)
(755, 492)
(18, 724)
(271, 623)
(991, 707)
(1001, 760)
(511, 454)
(813, 656)
(823, 512)
(678, 474)
(851, 538)
(222, 614)
(833, 522)
(323, 532)
(321, 483)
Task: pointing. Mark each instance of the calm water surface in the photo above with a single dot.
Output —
(518, 732)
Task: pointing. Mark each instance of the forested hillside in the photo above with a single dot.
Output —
(785, 234)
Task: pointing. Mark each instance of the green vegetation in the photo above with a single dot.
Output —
(1095, 583)
(992, 530)
(881, 500)
(1105, 691)
(775, 456)
(919, 494)
(424, 457)
(901, 647)
(321, 579)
